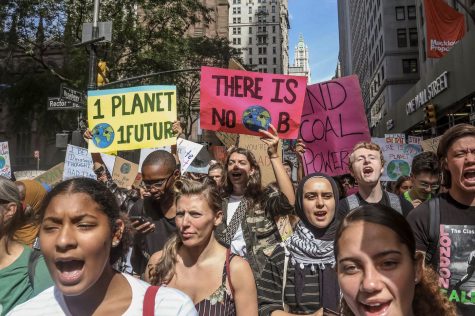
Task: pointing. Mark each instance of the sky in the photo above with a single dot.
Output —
(317, 21)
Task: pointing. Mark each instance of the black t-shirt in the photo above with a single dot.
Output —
(456, 244)
(344, 207)
(145, 246)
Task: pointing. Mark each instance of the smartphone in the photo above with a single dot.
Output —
(142, 220)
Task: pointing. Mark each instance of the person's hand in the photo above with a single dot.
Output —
(416, 203)
(87, 134)
(271, 140)
(300, 148)
(144, 228)
(176, 128)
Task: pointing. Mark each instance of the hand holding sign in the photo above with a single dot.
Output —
(271, 140)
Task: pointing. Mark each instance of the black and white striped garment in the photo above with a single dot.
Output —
(270, 287)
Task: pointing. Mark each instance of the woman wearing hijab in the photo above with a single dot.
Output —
(32, 194)
(299, 277)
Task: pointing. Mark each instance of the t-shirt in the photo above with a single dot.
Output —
(456, 243)
(344, 208)
(15, 287)
(168, 302)
(146, 246)
(238, 245)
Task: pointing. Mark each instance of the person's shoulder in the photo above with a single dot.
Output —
(42, 304)
(170, 301)
(155, 257)
(239, 265)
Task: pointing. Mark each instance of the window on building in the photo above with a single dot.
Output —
(239, 20)
(238, 10)
(273, 28)
(264, 61)
(250, 40)
(274, 50)
(234, 20)
(401, 38)
(409, 66)
(275, 70)
(250, 29)
(260, 61)
(424, 56)
(413, 37)
(274, 60)
(273, 18)
(411, 12)
(421, 14)
(250, 10)
(250, 50)
(265, 70)
(239, 41)
(382, 72)
(250, 19)
(250, 61)
(273, 9)
(273, 40)
(234, 10)
(400, 13)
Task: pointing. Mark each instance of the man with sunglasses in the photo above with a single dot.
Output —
(153, 217)
(425, 177)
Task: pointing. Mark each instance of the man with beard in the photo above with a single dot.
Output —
(367, 166)
(154, 216)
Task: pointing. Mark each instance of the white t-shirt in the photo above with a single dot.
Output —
(238, 245)
(168, 302)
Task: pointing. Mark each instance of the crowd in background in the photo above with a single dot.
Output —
(223, 244)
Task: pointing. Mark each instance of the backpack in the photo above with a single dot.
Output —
(394, 201)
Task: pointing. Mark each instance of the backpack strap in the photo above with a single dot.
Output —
(149, 300)
(284, 276)
(394, 201)
(353, 201)
(434, 231)
(32, 262)
(228, 270)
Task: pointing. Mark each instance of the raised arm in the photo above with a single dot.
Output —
(283, 180)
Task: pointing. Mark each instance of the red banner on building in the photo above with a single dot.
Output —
(445, 26)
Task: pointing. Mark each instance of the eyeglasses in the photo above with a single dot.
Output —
(428, 186)
(155, 184)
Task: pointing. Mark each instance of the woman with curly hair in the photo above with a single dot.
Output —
(82, 236)
(378, 269)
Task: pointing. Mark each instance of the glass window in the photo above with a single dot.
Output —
(413, 38)
(411, 12)
(409, 66)
(401, 38)
(400, 13)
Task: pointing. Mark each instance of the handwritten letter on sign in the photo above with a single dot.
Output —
(187, 152)
(5, 168)
(131, 118)
(78, 163)
(244, 102)
(333, 121)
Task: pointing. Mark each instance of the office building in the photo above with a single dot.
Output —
(301, 66)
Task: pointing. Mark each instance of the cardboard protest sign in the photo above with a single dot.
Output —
(395, 138)
(431, 144)
(228, 139)
(78, 163)
(244, 102)
(187, 152)
(144, 152)
(27, 174)
(416, 140)
(259, 149)
(124, 173)
(398, 158)
(52, 176)
(131, 118)
(5, 167)
(333, 121)
(201, 162)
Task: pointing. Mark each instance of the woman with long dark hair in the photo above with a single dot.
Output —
(379, 271)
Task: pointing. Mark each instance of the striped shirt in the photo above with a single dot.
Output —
(270, 287)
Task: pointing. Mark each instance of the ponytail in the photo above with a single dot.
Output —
(164, 270)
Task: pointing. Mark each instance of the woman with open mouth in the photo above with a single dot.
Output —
(82, 236)
(219, 282)
(378, 269)
(300, 277)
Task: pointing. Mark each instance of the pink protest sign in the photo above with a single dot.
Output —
(243, 102)
(333, 121)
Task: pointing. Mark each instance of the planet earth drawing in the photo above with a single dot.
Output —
(255, 118)
(103, 135)
(2, 162)
(125, 168)
(397, 168)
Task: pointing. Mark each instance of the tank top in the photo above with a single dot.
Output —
(221, 302)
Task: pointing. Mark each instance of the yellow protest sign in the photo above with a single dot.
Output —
(131, 118)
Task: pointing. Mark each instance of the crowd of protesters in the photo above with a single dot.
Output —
(225, 244)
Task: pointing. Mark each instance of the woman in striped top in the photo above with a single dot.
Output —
(195, 263)
(300, 276)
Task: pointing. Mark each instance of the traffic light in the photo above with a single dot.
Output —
(430, 117)
(102, 72)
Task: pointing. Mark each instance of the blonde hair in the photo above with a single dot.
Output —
(369, 146)
(164, 270)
